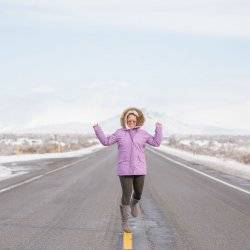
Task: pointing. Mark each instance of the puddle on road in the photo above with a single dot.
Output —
(158, 234)
(150, 229)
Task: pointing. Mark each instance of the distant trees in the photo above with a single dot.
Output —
(11, 144)
(223, 146)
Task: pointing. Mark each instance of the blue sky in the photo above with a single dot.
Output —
(86, 61)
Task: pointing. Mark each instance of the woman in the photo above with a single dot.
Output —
(131, 166)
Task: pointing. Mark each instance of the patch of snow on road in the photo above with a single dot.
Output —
(8, 172)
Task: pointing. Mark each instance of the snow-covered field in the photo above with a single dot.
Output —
(12, 144)
(229, 154)
(228, 166)
(16, 169)
(15, 148)
(230, 147)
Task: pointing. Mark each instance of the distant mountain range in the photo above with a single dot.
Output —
(171, 125)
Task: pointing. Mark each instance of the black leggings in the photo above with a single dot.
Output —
(129, 181)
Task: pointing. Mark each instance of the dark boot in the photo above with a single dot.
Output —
(135, 208)
(124, 209)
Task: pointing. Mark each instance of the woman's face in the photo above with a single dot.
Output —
(131, 121)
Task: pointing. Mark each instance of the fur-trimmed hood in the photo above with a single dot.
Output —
(127, 111)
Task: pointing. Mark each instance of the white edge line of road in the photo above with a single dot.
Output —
(40, 176)
(199, 172)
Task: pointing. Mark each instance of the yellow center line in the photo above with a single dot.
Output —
(127, 241)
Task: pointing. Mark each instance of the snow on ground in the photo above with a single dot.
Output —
(8, 172)
(224, 165)
(227, 166)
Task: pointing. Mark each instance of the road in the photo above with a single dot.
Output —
(73, 203)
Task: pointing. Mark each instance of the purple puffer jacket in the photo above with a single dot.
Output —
(131, 143)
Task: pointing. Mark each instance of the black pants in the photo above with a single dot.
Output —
(128, 182)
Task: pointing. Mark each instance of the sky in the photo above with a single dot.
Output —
(65, 61)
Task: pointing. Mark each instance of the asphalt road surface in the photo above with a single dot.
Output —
(73, 203)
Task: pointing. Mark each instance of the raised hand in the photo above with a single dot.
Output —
(95, 124)
(158, 124)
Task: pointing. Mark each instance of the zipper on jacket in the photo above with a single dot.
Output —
(131, 148)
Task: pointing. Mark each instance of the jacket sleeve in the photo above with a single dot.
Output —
(105, 140)
(156, 139)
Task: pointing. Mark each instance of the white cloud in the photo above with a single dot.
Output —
(210, 17)
(101, 100)
(42, 89)
(60, 113)
(90, 102)
(235, 115)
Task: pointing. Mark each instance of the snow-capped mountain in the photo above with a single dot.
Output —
(171, 125)
(62, 128)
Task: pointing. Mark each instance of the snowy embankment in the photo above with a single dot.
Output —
(224, 165)
(221, 164)
(8, 172)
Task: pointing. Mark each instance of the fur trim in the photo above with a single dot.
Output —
(133, 110)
